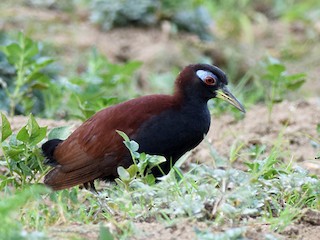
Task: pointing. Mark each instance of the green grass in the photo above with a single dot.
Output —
(269, 191)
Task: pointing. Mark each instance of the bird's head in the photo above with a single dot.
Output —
(204, 81)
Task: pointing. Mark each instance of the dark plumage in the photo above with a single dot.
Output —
(166, 125)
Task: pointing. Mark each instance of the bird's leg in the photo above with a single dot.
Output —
(90, 187)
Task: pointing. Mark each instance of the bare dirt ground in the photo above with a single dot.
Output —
(185, 229)
(295, 122)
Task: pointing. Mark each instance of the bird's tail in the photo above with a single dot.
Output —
(63, 176)
(57, 179)
(48, 151)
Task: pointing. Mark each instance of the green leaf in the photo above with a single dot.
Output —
(156, 160)
(60, 132)
(5, 128)
(39, 85)
(150, 179)
(38, 136)
(13, 52)
(14, 151)
(43, 62)
(123, 173)
(295, 77)
(31, 133)
(142, 165)
(23, 135)
(276, 69)
(13, 49)
(132, 145)
(133, 170)
(296, 85)
(25, 169)
(31, 48)
(35, 73)
(123, 135)
(130, 67)
(36, 133)
(105, 233)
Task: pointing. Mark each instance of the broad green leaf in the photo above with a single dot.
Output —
(60, 132)
(36, 133)
(134, 146)
(136, 154)
(35, 73)
(156, 160)
(30, 48)
(39, 85)
(130, 67)
(295, 77)
(123, 173)
(13, 49)
(25, 169)
(5, 128)
(142, 165)
(143, 157)
(13, 52)
(43, 62)
(105, 233)
(14, 151)
(23, 135)
(271, 77)
(296, 85)
(276, 69)
(150, 179)
(32, 125)
(32, 133)
(38, 136)
(133, 170)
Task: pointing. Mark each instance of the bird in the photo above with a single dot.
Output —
(164, 125)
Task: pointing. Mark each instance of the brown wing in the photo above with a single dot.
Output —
(95, 149)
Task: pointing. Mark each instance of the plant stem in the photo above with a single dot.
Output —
(7, 160)
(14, 98)
(271, 102)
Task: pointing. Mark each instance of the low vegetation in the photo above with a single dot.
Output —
(269, 188)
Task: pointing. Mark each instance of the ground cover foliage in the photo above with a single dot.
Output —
(269, 188)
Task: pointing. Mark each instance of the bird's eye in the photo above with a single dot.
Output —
(210, 81)
(207, 77)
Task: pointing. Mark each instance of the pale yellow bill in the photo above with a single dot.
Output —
(226, 95)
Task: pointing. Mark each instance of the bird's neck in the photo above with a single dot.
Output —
(185, 99)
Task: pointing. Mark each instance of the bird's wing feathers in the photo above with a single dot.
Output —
(95, 148)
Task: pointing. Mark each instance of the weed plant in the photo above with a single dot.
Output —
(28, 87)
(21, 91)
(268, 190)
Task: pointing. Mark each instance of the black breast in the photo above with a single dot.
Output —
(174, 132)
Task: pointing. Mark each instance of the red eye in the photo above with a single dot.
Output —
(210, 81)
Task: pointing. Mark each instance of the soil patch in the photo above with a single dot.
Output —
(292, 124)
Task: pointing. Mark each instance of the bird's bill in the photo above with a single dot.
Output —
(226, 95)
